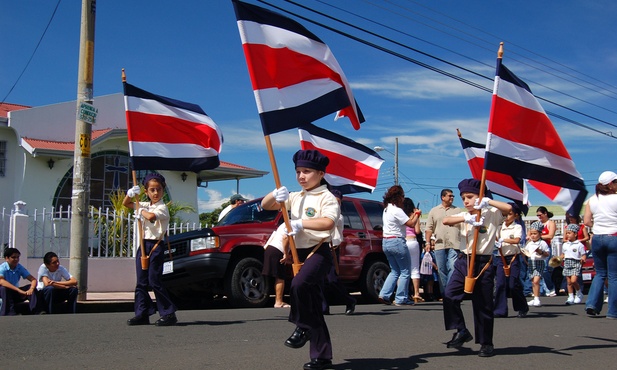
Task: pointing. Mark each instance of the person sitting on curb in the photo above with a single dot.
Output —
(11, 271)
(53, 288)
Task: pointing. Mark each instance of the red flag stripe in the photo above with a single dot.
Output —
(154, 128)
(524, 126)
(343, 166)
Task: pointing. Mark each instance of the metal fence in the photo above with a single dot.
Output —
(111, 234)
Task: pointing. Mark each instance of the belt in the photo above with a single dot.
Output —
(480, 258)
(391, 237)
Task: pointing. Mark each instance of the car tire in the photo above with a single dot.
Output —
(246, 286)
(373, 279)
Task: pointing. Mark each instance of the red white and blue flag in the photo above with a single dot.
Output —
(498, 183)
(296, 79)
(522, 142)
(353, 167)
(168, 134)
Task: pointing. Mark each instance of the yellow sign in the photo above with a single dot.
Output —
(84, 145)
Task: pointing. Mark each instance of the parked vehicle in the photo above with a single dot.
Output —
(227, 259)
(588, 272)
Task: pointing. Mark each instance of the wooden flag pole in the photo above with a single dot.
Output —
(277, 181)
(144, 259)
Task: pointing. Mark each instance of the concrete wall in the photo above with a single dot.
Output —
(104, 274)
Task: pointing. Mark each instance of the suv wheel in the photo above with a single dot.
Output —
(372, 280)
(247, 287)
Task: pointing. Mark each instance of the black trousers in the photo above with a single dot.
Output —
(508, 286)
(306, 299)
(481, 299)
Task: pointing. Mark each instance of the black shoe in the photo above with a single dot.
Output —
(486, 350)
(318, 363)
(139, 320)
(350, 309)
(167, 320)
(459, 338)
(299, 338)
(498, 316)
(522, 314)
(385, 301)
(591, 312)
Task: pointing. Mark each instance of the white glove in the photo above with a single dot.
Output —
(471, 219)
(281, 194)
(481, 204)
(296, 225)
(498, 243)
(134, 191)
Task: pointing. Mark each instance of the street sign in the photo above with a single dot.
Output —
(87, 113)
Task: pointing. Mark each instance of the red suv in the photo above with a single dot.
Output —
(227, 259)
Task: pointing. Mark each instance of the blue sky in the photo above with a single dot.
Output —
(191, 51)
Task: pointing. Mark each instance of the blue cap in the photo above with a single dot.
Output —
(311, 159)
(154, 176)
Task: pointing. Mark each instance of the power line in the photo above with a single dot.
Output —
(33, 52)
(427, 66)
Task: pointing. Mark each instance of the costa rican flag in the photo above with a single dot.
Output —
(353, 167)
(168, 134)
(498, 183)
(296, 79)
(523, 143)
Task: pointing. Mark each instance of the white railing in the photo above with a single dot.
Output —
(5, 228)
(110, 233)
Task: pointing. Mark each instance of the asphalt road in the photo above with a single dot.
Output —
(553, 336)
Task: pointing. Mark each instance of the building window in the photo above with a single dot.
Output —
(2, 158)
(110, 171)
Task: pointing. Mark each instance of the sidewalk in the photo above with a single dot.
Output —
(108, 302)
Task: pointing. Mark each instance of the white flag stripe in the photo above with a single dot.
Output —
(276, 38)
(531, 154)
(292, 96)
(517, 95)
(339, 181)
(565, 197)
(341, 149)
(503, 190)
(149, 106)
(150, 149)
(472, 152)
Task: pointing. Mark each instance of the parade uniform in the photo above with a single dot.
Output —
(306, 296)
(573, 252)
(511, 285)
(153, 233)
(482, 296)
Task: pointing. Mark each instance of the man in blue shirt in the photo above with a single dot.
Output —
(10, 274)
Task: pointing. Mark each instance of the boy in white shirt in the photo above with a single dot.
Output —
(54, 288)
(573, 255)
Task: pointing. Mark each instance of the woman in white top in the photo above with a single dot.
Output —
(601, 216)
(394, 222)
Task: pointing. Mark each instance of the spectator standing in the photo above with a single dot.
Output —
(553, 275)
(235, 201)
(413, 244)
(56, 284)
(275, 259)
(394, 247)
(601, 215)
(446, 237)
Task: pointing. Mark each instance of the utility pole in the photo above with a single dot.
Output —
(396, 161)
(86, 115)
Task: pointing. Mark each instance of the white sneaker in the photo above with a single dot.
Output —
(570, 299)
(534, 303)
(579, 297)
(551, 294)
(606, 299)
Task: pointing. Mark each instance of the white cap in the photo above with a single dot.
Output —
(607, 177)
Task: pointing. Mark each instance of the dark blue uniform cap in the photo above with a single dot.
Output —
(311, 159)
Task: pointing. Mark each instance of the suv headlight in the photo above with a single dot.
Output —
(210, 242)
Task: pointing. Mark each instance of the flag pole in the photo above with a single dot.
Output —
(144, 259)
(470, 280)
(277, 181)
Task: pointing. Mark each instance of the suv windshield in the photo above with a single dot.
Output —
(250, 212)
